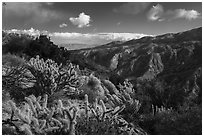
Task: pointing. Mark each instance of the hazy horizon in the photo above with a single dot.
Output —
(100, 22)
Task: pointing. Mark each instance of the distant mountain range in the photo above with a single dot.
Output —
(175, 58)
(84, 41)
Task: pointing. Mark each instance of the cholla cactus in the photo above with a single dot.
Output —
(103, 120)
(125, 96)
(110, 86)
(37, 118)
(51, 77)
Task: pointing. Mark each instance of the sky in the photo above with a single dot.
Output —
(100, 22)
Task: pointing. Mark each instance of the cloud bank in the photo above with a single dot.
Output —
(95, 38)
(157, 13)
(186, 14)
(81, 21)
(31, 31)
(80, 38)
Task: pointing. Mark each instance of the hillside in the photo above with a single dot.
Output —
(174, 58)
(152, 84)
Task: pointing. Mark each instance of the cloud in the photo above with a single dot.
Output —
(63, 25)
(32, 11)
(132, 7)
(92, 38)
(31, 31)
(82, 21)
(61, 38)
(186, 14)
(155, 13)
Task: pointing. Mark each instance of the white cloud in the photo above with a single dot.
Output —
(32, 11)
(92, 38)
(80, 38)
(155, 13)
(63, 25)
(186, 14)
(132, 7)
(82, 21)
(31, 31)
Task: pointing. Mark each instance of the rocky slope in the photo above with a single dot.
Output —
(176, 58)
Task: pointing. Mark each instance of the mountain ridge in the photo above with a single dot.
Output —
(172, 57)
(151, 38)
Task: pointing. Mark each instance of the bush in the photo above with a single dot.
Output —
(15, 44)
(15, 76)
(92, 87)
(183, 122)
(93, 82)
(159, 93)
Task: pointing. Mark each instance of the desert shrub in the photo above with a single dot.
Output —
(15, 76)
(92, 87)
(185, 121)
(15, 44)
(12, 60)
(159, 93)
(93, 82)
(29, 46)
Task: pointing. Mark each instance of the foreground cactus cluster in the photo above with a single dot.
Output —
(124, 96)
(98, 119)
(51, 77)
(36, 118)
(99, 110)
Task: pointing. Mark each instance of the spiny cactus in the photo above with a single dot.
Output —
(50, 77)
(110, 86)
(37, 118)
(102, 120)
(125, 96)
(100, 111)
